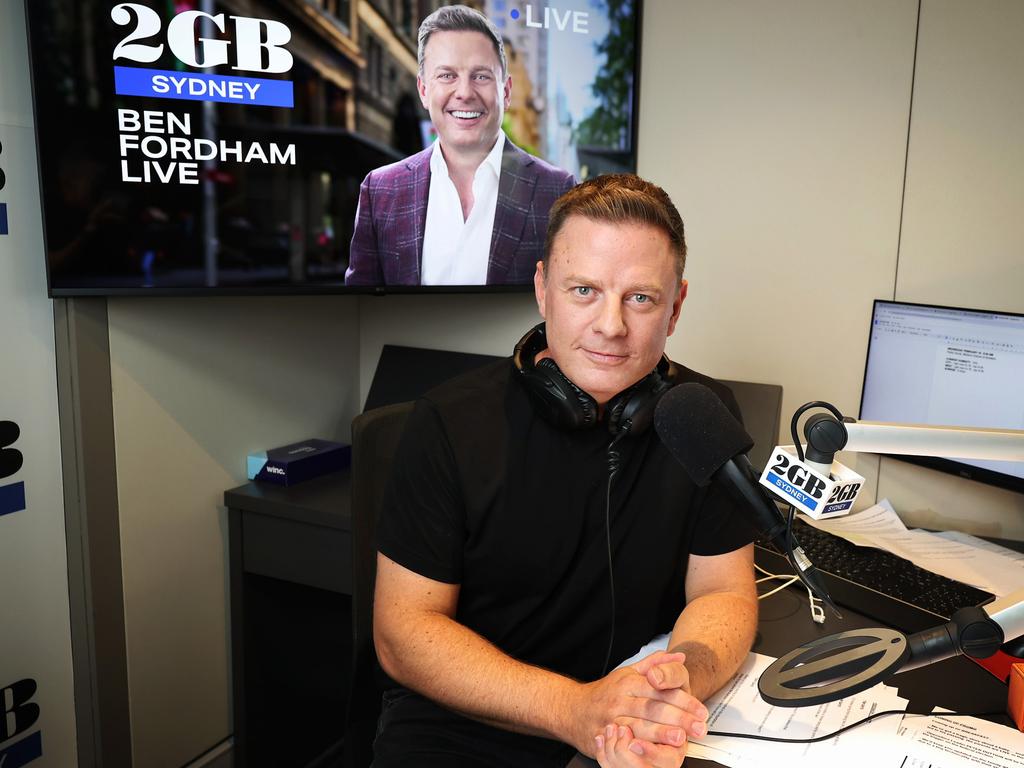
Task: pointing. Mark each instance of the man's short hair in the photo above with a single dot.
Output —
(460, 18)
(621, 198)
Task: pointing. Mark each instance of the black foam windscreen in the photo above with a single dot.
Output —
(698, 430)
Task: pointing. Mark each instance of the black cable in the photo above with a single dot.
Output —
(791, 542)
(845, 728)
(614, 460)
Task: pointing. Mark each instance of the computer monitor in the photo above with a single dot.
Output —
(952, 367)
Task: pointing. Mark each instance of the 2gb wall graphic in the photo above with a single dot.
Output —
(12, 495)
(18, 714)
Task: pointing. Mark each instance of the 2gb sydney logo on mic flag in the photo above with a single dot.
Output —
(807, 489)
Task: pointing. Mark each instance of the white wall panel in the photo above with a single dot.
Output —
(37, 715)
(963, 232)
(16, 92)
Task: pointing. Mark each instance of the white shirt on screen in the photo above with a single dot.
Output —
(456, 251)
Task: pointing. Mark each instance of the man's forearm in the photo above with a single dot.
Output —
(422, 646)
(459, 669)
(715, 632)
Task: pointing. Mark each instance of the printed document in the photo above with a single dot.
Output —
(894, 741)
(739, 708)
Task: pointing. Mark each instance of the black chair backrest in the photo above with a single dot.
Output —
(375, 436)
(761, 406)
(405, 373)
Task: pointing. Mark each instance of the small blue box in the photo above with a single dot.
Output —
(294, 463)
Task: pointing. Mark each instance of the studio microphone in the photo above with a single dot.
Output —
(711, 445)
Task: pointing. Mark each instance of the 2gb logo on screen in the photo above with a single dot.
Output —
(251, 45)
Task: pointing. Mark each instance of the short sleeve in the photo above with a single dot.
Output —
(722, 525)
(422, 519)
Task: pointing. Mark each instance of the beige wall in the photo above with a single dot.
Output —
(781, 131)
(197, 384)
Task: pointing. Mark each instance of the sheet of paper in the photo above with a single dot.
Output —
(864, 527)
(989, 546)
(907, 741)
(958, 742)
(879, 526)
(739, 708)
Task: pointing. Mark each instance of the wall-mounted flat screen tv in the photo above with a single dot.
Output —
(277, 146)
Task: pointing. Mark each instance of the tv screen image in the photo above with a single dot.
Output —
(226, 146)
(948, 366)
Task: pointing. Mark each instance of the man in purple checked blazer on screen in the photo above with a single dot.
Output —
(473, 208)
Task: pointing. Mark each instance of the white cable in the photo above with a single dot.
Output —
(816, 605)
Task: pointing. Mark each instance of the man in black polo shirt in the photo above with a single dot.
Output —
(537, 531)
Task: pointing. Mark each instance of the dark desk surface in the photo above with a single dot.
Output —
(957, 684)
(323, 500)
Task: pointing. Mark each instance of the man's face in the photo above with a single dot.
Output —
(462, 88)
(610, 300)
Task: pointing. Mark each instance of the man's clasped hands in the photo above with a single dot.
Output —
(650, 714)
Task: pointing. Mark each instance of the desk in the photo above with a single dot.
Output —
(291, 585)
(957, 684)
(291, 627)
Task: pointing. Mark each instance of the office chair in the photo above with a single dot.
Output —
(761, 406)
(375, 436)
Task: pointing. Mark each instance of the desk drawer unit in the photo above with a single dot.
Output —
(314, 555)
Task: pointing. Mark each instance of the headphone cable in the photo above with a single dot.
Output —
(614, 462)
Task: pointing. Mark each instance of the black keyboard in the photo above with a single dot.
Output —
(876, 583)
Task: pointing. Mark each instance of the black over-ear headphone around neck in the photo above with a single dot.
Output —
(565, 405)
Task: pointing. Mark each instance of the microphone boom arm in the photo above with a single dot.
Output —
(842, 664)
(923, 440)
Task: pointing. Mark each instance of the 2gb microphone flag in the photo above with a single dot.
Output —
(807, 489)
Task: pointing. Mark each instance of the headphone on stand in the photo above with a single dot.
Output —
(565, 405)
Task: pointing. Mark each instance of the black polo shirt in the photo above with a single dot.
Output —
(488, 495)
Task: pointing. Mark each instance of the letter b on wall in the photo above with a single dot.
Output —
(10, 458)
(17, 714)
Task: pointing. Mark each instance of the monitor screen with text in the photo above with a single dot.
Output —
(950, 367)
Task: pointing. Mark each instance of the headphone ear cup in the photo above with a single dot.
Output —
(633, 410)
(568, 405)
(559, 401)
(636, 410)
